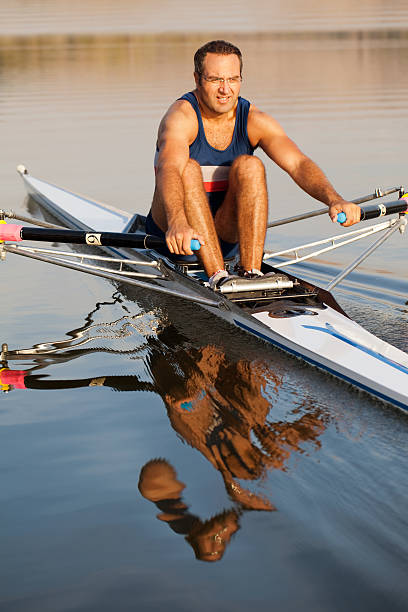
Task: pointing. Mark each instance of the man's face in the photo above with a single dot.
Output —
(219, 97)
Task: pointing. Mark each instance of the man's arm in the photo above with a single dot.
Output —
(175, 133)
(264, 131)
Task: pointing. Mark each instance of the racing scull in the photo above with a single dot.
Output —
(283, 310)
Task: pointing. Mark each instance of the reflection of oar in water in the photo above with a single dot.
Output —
(169, 339)
(168, 344)
(226, 423)
(23, 379)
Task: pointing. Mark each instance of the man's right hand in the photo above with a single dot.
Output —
(179, 237)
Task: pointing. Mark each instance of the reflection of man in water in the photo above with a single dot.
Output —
(222, 408)
(158, 483)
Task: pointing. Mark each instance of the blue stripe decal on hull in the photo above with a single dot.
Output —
(329, 329)
(381, 396)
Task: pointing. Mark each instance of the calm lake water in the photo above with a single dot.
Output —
(283, 487)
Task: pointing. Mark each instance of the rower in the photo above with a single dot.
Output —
(209, 185)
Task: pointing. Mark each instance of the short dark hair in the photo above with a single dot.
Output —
(222, 47)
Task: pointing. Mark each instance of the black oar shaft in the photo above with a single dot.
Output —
(379, 193)
(386, 208)
(135, 240)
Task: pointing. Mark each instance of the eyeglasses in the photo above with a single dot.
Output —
(218, 81)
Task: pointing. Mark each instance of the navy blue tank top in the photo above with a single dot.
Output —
(215, 164)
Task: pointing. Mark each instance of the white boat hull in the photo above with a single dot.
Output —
(340, 346)
(321, 336)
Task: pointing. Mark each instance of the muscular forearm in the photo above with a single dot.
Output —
(170, 190)
(265, 132)
(313, 180)
(168, 211)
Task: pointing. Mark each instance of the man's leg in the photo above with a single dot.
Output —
(243, 215)
(198, 215)
(200, 218)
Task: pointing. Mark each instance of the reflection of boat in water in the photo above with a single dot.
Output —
(217, 402)
(87, 338)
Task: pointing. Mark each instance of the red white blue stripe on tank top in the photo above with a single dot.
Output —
(215, 178)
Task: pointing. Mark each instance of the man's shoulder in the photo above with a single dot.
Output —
(181, 107)
(256, 114)
(179, 113)
(260, 120)
(179, 120)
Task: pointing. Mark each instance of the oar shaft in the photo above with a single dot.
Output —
(379, 193)
(379, 210)
(387, 208)
(16, 233)
(91, 238)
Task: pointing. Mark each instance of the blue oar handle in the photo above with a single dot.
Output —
(341, 217)
(195, 245)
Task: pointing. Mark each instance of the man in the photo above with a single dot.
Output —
(209, 185)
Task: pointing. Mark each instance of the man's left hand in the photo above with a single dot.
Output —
(352, 212)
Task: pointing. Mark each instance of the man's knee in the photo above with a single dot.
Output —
(192, 171)
(248, 167)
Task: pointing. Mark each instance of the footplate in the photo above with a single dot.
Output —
(262, 284)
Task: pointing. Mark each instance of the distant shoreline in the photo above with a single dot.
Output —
(353, 36)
